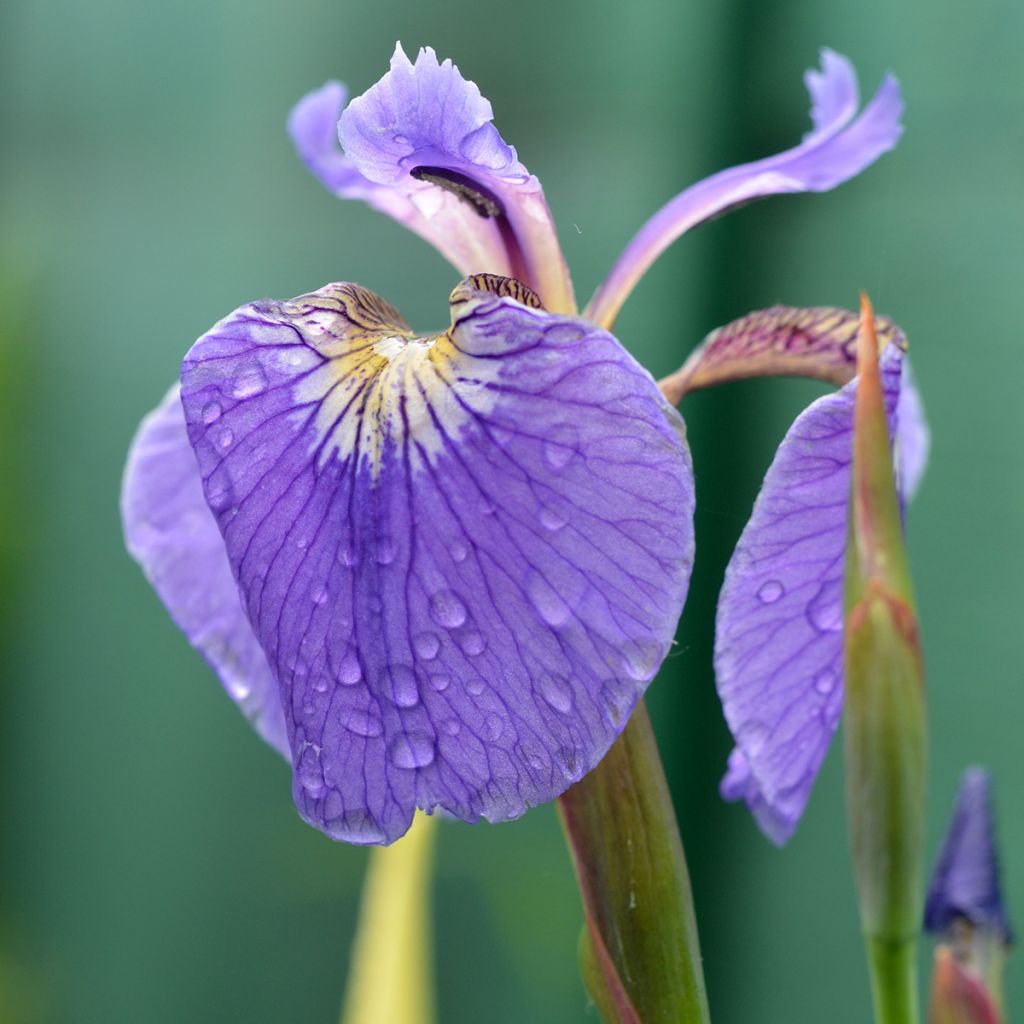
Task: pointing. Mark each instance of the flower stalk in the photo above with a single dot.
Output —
(640, 951)
(885, 715)
(391, 978)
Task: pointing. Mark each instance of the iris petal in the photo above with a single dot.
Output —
(836, 150)
(779, 634)
(420, 145)
(464, 555)
(172, 534)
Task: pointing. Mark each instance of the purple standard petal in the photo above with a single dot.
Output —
(778, 643)
(420, 146)
(836, 150)
(464, 554)
(171, 532)
(965, 883)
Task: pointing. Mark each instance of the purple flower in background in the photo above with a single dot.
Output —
(440, 570)
(965, 884)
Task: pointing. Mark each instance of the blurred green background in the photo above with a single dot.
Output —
(153, 869)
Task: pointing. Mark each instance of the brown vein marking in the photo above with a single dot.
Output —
(819, 342)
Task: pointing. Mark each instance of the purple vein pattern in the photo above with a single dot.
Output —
(464, 556)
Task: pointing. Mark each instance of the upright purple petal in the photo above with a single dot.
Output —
(468, 242)
(779, 634)
(464, 555)
(965, 883)
(835, 151)
(913, 438)
(171, 532)
(421, 146)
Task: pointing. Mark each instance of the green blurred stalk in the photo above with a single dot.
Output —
(391, 978)
(640, 956)
(885, 728)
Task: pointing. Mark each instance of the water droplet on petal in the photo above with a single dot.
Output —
(364, 723)
(825, 682)
(770, 592)
(349, 669)
(557, 692)
(426, 645)
(309, 770)
(641, 659)
(752, 738)
(319, 595)
(549, 606)
(250, 381)
(405, 691)
(320, 684)
(225, 439)
(459, 552)
(560, 445)
(617, 694)
(347, 553)
(452, 726)
(552, 518)
(385, 551)
(825, 609)
(447, 609)
(471, 641)
(475, 687)
(495, 726)
(211, 412)
(412, 750)
(440, 682)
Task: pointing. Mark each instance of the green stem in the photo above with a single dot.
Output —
(893, 981)
(641, 954)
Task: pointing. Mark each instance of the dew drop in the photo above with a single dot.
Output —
(471, 642)
(452, 726)
(405, 691)
(226, 439)
(475, 687)
(825, 682)
(385, 551)
(557, 693)
(825, 609)
(319, 595)
(560, 445)
(320, 684)
(616, 696)
(349, 669)
(458, 552)
(310, 771)
(308, 709)
(413, 750)
(494, 726)
(752, 738)
(249, 382)
(770, 592)
(552, 518)
(347, 553)
(548, 605)
(426, 645)
(364, 723)
(447, 609)
(439, 681)
(211, 412)
(641, 659)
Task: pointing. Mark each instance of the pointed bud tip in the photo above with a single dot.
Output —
(965, 884)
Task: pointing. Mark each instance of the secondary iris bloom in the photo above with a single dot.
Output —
(440, 570)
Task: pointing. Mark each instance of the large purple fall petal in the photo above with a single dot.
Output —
(171, 532)
(779, 633)
(420, 145)
(464, 555)
(836, 150)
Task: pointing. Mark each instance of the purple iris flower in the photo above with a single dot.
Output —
(779, 628)
(965, 883)
(439, 570)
